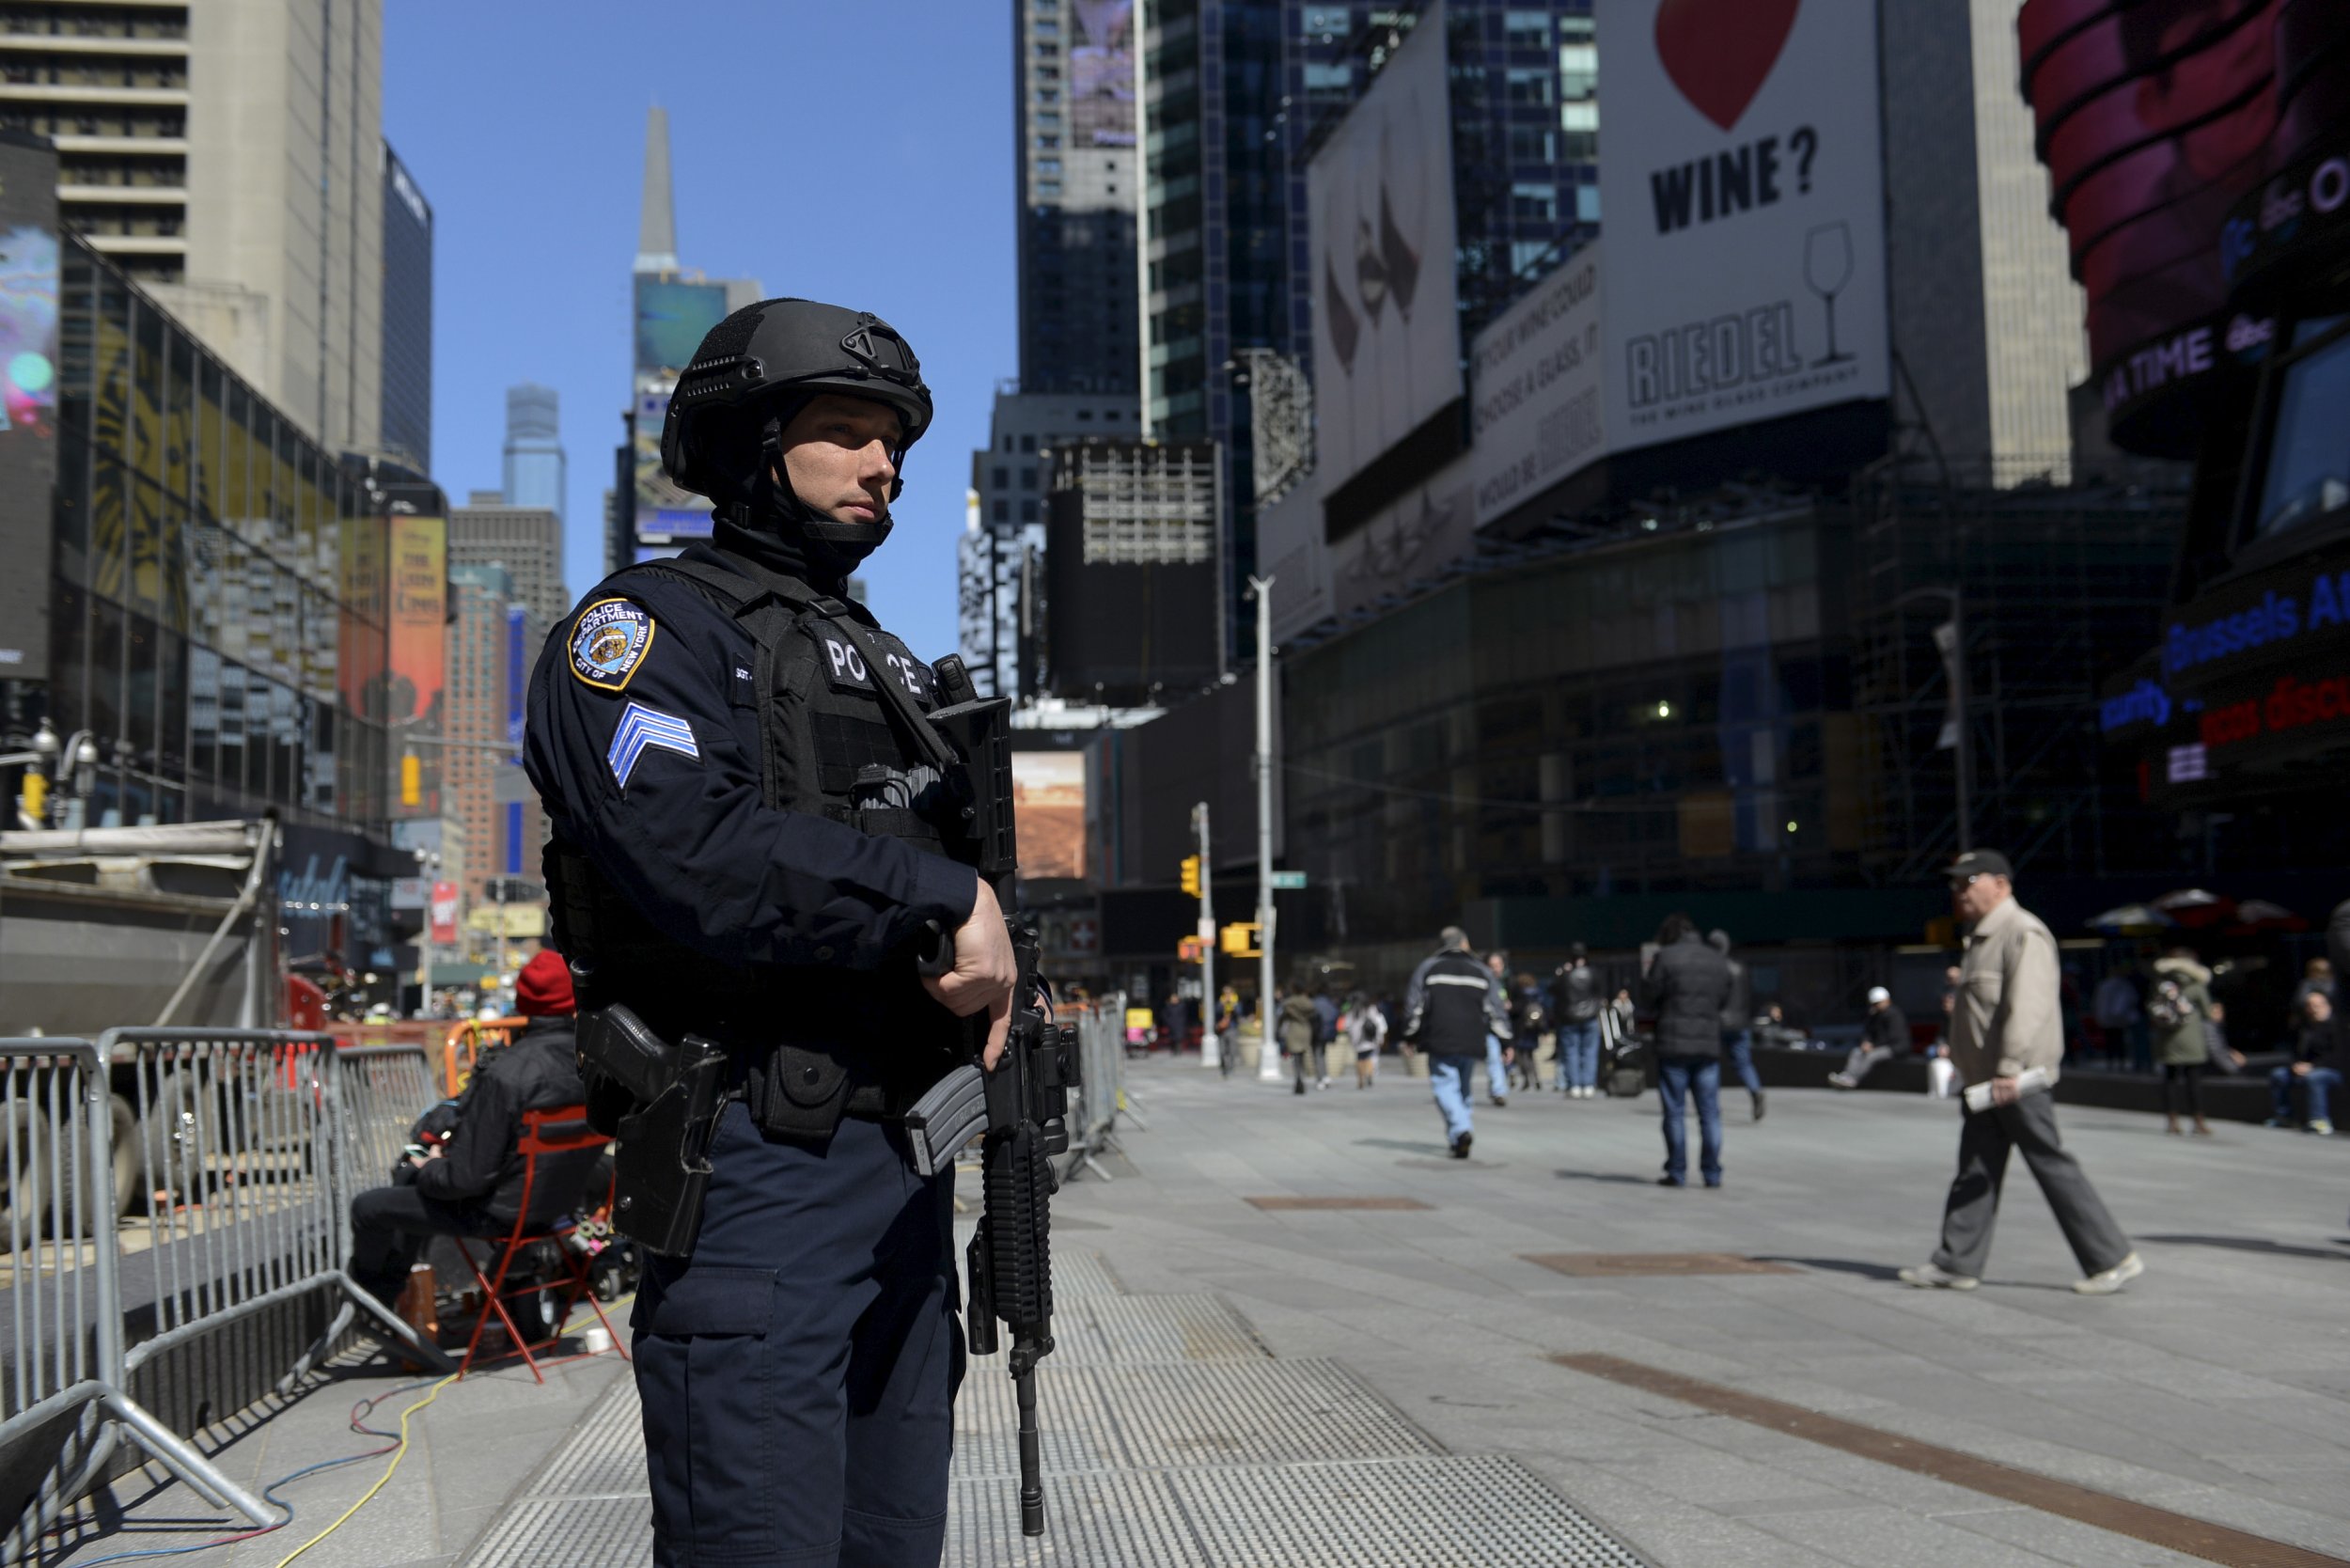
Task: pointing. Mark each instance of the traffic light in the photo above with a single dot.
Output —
(1190, 951)
(1240, 940)
(36, 797)
(411, 780)
(1191, 875)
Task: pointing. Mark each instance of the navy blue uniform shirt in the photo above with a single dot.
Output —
(643, 740)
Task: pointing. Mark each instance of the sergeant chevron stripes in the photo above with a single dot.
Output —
(642, 728)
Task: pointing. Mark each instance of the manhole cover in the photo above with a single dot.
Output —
(1616, 1265)
(1383, 1205)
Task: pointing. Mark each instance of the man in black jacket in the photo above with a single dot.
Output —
(1453, 1007)
(470, 1185)
(1575, 1002)
(1883, 1036)
(1686, 984)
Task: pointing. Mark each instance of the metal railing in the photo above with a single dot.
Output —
(246, 1147)
(1100, 1096)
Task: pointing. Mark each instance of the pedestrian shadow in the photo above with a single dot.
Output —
(1406, 1145)
(1837, 1266)
(2250, 1244)
(1617, 1177)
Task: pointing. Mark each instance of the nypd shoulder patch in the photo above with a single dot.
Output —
(609, 641)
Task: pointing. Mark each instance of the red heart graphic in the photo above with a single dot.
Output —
(1721, 52)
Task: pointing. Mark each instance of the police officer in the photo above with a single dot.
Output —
(749, 846)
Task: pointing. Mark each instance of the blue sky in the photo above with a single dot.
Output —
(860, 154)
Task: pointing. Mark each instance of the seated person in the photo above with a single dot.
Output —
(1884, 1034)
(470, 1182)
(2316, 1064)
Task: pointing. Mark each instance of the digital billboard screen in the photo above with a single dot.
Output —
(28, 399)
(419, 613)
(664, 512)
(1102, 74)
(1048, 797)
(673, 316)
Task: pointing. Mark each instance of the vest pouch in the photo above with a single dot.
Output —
(805, 1094)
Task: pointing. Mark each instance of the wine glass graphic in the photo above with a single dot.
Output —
(1828, 267)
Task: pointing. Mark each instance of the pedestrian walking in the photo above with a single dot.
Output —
(1884, 1036)
(1686, 984)
(1300, 1029)
(2315, 1066)
(2181, 1011)
(1325, 1033)
(1530, 1020)
(1575, 1004)
(1498, 1045)
(1738, 1036)
(1371, 1035)
(2005, 1040)
(1453, 1007)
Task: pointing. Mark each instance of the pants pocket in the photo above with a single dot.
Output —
(712, 1419)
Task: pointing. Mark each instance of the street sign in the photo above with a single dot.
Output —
(1289, 881)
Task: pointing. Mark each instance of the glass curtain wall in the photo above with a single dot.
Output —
(220, 611)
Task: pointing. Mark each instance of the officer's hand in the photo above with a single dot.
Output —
(983, 974)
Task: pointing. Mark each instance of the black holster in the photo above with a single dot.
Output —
(672, 1096)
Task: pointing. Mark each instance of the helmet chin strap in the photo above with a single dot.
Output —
(833, 548)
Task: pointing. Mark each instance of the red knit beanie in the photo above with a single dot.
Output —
(544, 986)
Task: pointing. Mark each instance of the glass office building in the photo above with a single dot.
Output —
(219, 596)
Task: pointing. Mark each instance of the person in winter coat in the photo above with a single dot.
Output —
(1883, 1036)
(1575, 1004)
(1453, 1007)
(1686, 984)
(471, 1182)
(1737, 1026)
(2180, 1012)
(2315, 1066)
(1300, 1028)
(1368, 1026)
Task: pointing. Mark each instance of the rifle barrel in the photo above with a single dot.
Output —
(1031, 1458)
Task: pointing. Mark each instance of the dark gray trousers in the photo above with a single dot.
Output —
(2029, 1125)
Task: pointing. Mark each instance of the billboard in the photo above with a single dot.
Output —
(1102, 74)
(1536, 377)
(2155, 118)
(1048, 797)
(1744, 189)
(1379, 196)
(28, 399)
(665, 513)
(672, 316)
(415, 690)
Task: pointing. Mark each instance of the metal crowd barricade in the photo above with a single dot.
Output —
(251, 1164)
(1101, 1093)
(384, 1089)
(64, 1299)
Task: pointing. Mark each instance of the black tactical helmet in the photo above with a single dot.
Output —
(781, 352)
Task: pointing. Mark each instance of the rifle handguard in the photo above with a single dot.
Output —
(945, 1121)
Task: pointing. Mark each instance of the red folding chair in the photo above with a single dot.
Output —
(546, 1134)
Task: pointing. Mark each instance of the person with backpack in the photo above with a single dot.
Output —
(1575, 1006)
(2181, 1011)
(1300, 1027)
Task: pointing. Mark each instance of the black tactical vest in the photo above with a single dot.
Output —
(812, 1043)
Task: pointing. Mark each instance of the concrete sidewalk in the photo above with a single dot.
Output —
(1241, 1384)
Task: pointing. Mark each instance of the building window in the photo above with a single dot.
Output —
(1003, 476)
(1525, 29)
(1027, 479)
(1028, 443)
(1578, 70)
(1027, 511)
(1002, 511)
(1587, 204)
(1534, 203)
(1530, 87)
(2309, 453)
(1532, 144)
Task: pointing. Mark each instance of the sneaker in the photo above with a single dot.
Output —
(1843, 1080)
(1321, 1083)
(1500, 1100)
(1670, 1181)
(2113, 1280)
(1298, 1088)
(1934, 1277)
(1460, 1145)
(1758, 1104)
(2323, 1129)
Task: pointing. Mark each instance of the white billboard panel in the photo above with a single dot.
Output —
(1379, 194)
(1535, 389)
(1744, 198)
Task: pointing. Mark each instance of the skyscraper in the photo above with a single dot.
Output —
(226, 156)
(526, 542)
(405, 430)
(534, 448)
(1077, 179)
(491, 643)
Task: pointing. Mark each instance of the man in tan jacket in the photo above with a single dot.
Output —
(2007, 1032)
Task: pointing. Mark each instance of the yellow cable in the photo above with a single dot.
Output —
(398, 1454)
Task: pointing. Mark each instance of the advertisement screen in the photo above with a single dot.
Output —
(1379, 193)
(1048, 795)
(413, 692)
(444, 914)
(1102, 74)
(28, 401)
(672, 317)
(1535, 389)
(664, 512)
(2155, 118)
(1745, 132)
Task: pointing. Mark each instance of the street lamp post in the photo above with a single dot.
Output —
(1210, 1048)
(1268, 1060)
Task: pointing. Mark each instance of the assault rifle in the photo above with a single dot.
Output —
(1020, 1110)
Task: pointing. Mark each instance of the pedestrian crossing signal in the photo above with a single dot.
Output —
(1240, 940)
(1190, 951)
(1191, 875)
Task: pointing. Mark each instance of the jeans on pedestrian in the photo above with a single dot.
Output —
(1578, 1055)
(1496, 1076)
(1451, 1078)
(1677, 1078)
(2318, 1083)
(1739, 1043)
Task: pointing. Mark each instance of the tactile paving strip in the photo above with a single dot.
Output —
(1129, 1330)
(1268, 1412)
(604, 1456)
(1110, 1519)
(1478, 1511)
(1075, 1430)
(1081, 1274)
(569, 1532)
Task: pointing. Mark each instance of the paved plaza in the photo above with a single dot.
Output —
(1256, 1368)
